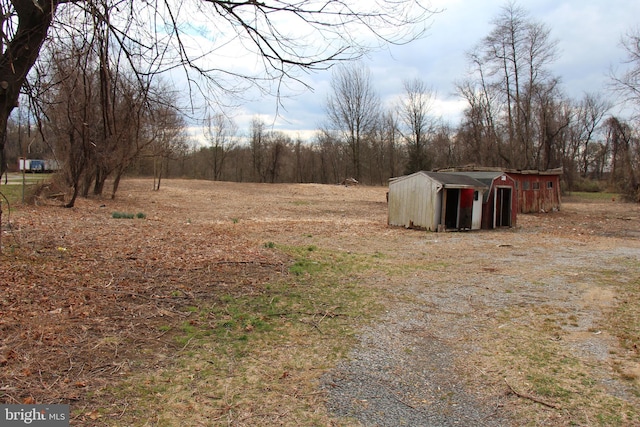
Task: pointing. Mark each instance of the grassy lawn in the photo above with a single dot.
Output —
(255, 359)
(584, 196)
(14, 190)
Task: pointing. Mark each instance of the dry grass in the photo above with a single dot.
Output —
(227, 303)
(255, 359)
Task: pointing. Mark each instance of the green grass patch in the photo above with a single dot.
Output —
(589, 196)
(260, 352)
(13, 194)
(18, 190)
(126, 215)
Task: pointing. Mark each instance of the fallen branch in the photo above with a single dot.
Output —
(532, 398)
(312, 323)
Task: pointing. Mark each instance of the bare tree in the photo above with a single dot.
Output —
(69, 107)
(625, 157)
(415, 111)
(480, 136)
(627, 83)
(167, 140)
(278, 148)
(512, 62)
(443, 147)
(332, 166)
(587, 118)
(258, 144)
(390, 134)
(353, 110)
(552, 118)
(220, 132)
(116, 104)
(623, 142)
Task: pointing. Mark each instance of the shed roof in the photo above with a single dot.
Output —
(452, 180)
(474, 168)
(448, 180)
(486, 177)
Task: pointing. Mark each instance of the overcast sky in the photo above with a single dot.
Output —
(588, 33)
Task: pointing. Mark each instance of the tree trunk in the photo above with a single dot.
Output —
(116, 183)
(34, 20)
(72, 202)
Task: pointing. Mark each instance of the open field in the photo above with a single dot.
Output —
(254, 304)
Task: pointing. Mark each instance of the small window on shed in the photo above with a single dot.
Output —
(536, 185)
(476, 195)
(549, 184)
(525, 185)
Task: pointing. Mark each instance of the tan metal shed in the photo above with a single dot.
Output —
(435, 201)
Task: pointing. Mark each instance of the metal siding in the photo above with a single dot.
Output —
(413, 202)
(476, 222)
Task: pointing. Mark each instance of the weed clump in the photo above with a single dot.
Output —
(125, 215)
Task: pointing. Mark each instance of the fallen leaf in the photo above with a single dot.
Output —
(94, 415)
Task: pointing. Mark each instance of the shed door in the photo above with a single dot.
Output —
(466, 208)
(503, 207)
(451, 209)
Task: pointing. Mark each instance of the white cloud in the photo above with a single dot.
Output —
(588, 34)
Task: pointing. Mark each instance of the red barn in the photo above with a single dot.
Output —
(538, 191)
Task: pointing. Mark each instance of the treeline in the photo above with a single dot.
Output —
(100, 120)
(609, 160)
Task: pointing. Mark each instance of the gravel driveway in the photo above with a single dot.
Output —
(416, 365)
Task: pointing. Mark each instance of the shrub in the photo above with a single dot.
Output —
(587, 186)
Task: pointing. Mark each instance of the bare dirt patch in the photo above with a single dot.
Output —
(479, 327)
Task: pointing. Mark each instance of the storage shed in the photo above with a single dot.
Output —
(538, 191)
(500, 202)
(436, 201)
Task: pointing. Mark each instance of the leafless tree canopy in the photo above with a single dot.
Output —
(96, 58)
(353, 110)
(415, 111)
(627, 82)
(212, 42)
(509, 88)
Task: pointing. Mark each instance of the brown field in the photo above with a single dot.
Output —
(230, 304)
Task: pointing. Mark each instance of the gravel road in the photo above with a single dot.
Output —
(411, 366)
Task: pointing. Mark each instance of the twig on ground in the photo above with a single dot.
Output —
(185, 346)
(532, 398)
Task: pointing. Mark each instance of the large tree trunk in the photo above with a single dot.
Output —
(34, 20)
